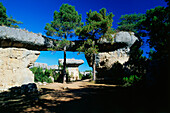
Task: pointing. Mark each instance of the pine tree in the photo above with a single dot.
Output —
(63, 25)
(98, 25)
(5, 20)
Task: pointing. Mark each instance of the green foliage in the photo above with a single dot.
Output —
(64, 23)
(130, 22)
(88, 47)
(157, 25)
(98, 25)
(42, 76)
(128, 81)
(61, 44)
(80, 76)
(5, 20)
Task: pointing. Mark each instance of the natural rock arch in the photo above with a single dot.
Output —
(19, 49)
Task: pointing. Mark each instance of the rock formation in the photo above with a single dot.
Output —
(105, 60)
(13, 37)
(14, 66)
(72, 67)
(15, 62)
(45, 66)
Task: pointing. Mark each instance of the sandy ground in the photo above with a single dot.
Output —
(83, 97)
(72, 85)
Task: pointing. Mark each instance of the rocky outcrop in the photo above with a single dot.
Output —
(120, 52)
(71, 62)
(14, 66)
(72, 67)
(13, 37)
(45, 66)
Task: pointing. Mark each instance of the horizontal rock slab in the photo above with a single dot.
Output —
(71, 62)
(14, 67)
(45, 66)
(14, 37)
(125, 37)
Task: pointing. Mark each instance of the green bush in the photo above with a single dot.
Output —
(42, 76)
(80, 76)
(131, 80)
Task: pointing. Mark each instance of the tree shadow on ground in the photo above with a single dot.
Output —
(89, 99)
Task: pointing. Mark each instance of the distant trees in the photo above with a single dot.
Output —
(63, 25)
(98, 25)
(155, 24)
(5, 20)
(130, 22)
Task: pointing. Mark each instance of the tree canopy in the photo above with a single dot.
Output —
(63, 25)
(156, 24)
(98, 25)
(64, 22)
(5, 20)
(130, 22)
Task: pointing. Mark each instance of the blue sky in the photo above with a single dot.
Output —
(36, 13)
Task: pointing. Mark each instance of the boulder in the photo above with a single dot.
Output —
(14, 37)
(120, 52)
(14, 66)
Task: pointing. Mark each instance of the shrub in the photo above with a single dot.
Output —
(131, 80)
(80, 76)
(40, 76)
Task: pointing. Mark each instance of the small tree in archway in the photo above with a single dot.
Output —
(63, 25)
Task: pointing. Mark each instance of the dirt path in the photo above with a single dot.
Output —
(82, 97)
(73, 85)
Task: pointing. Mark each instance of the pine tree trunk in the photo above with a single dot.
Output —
(94, 67)
(94, 64)
(64, 66)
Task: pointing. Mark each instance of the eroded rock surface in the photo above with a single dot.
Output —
(105, 60)
(72, 67)
(14, 66)
(14, 37)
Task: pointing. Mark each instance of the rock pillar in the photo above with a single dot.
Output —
(14, 67)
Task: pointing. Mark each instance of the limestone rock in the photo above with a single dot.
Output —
(14, 37)
(120, 52)
(72, 67)
(14, 66)
(71, 62)
(45, 66)
(107, 59)
(121, 37)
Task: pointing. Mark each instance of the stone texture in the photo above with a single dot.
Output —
(121, 37)
(71, 62)
(72, 67)
(105, 60)
(45, 66)
(73, 73)
(41, 65)
(14, 37)
(14, 66)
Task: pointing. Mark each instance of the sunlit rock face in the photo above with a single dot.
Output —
(14, 66)
(14, 37)
(72, 67)
(122, 41)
